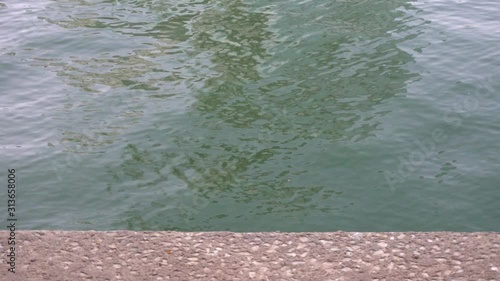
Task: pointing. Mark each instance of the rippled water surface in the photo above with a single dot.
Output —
(252, 115)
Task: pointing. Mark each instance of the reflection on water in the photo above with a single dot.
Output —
(228, 100)
(269, 103)
(214, 115)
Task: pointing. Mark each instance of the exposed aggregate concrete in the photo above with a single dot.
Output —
(130, 255)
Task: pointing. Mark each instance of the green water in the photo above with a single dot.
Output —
(252, 115)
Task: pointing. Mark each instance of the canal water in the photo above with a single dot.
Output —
(260, 115)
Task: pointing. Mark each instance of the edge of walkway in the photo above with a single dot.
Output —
(165, 255)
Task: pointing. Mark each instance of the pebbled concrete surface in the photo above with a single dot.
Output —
(129, 255)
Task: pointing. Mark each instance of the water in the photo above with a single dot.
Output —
(252, 115)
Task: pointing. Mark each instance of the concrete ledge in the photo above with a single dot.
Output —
(129, 255)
